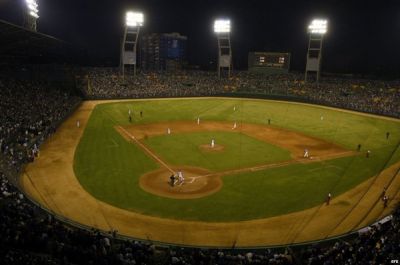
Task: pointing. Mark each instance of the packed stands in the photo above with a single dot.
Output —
(32, 110)
(371, 96)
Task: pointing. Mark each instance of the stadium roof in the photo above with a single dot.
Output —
(18, 44)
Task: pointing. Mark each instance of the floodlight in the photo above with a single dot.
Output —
(222, 26)
(33, 14)
(134, 19)
(318, 26)
(32, 7)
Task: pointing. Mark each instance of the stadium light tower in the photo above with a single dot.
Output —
(222, 28)
(317, 29)
(31, 14)
(133, 22)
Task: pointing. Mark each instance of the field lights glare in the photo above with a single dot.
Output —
(134, 19)
(32, 8)
(318, 26)
(222, 26)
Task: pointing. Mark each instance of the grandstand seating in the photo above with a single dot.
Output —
(32, 110)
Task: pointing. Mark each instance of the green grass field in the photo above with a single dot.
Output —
(109, 167)
(239, 150)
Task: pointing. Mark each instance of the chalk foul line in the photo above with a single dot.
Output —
(276, 165)
(147, 150)
(240, 170)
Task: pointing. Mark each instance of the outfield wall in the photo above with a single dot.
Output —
(299, 100)
(303, 243)
(280, 97)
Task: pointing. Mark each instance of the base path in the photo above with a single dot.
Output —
(295, 142)
(200, 184)
(50, 181)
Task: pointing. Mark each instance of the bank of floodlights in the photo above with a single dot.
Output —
(318, 26)
(134, 19)
(32, 8)
(222, 29)
(133, 22)
(317, 29)
(222, 26)
(31, 14)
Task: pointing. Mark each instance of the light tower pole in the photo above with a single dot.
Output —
(222, 28)
(31, 14)
(317, 30)
(133, 22)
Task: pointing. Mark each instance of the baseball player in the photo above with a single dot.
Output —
(383, 193)
(328, 198)
(181, 179)
(212, 143)
(35, 150)
(168, 131)
(78, 124)
(385, 201)
(306, 155)
(234, 126)
(198, 120)
(172, 180)
(130, 115)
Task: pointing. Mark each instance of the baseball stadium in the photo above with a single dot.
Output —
(152, 162)
(254, 184)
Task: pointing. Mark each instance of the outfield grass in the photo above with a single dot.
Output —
(109, 168)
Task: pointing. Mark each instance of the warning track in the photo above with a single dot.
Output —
(51, 182)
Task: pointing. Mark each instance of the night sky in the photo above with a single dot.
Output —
(363, 36)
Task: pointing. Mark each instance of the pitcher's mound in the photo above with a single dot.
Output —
(208, 148)
(196, 184)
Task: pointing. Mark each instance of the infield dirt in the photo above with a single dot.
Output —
(51, 182)
(199, 182)
(293, 141)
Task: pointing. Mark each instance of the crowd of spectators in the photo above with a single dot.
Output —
(29, 111)
(29, 235)
(108, 83)
(32, 236)
(377, 244)
(372, 96)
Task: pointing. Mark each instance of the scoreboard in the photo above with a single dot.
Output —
(269, 62)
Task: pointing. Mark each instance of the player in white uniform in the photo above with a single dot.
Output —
(234, 125)
(181, 179)
(306, 155)
(78, 124)
(328, 198)
(198, 120)
(168, 131)
(212, 143)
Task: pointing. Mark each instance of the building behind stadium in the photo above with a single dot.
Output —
(163, 52)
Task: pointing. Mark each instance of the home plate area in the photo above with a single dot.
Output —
(195, 185)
